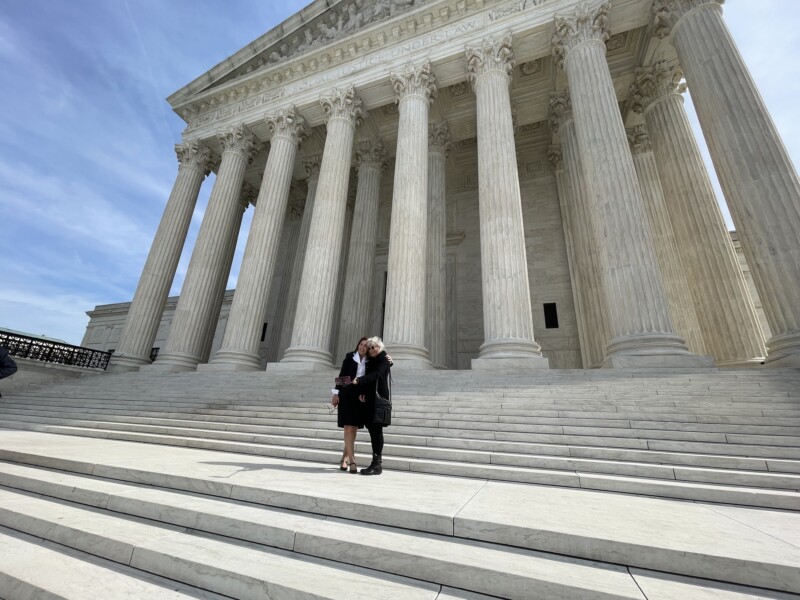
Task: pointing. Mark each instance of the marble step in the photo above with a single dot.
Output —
(243, 569)
(74, 575)
(725, 487)
(422, 449)
(750, 547)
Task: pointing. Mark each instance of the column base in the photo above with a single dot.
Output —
(509, 363)
(172, 363)
(409, 356)
(226, 361)
(783, 351)
(127, 364)
(303, 359)
(740, 364)
(510, 348)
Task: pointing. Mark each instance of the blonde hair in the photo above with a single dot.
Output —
(376, 341)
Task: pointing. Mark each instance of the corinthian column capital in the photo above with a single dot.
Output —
(414, 82)
(371, 154)
(639, 139)
(491, 55)
(439, 137)
(241, 141)
(556, 157)
(666, 13)
(343, 104)
(248, 195)
(311, 165)
(195, 154)
(288, 124)
(652, 83)
(559, 110)
(585, 24)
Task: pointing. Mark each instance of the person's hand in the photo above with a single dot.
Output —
(391, 362)
(363, 398)
(335, 400)
(355, 381)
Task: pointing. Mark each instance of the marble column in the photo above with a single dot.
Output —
(757, 176)
(439, 141)
(247, 197)
(507, 319)
(642, 331)
(311, 333)
(312, 165)
(358, 280)
(404, 321)
(194, 312)
(240, 345)
(593, 312)
(144, 316)
(336, 321)
(679, 297)
(724, 308)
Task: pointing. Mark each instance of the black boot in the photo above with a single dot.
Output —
(374, 467)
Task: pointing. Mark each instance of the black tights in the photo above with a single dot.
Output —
(376, 438)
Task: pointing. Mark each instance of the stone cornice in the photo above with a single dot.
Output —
(585, 24)
(652, 83)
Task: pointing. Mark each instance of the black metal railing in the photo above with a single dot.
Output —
(22, 346)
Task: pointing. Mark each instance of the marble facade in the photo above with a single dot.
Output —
(487, 184)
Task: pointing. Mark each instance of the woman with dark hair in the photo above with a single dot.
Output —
(351, 410)
(375, 379)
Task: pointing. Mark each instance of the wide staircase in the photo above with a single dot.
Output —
(554, 484)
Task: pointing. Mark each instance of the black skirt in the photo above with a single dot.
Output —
(351, 410)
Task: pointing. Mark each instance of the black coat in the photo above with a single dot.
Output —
(377, 369)
(7, 365)
(349, 368)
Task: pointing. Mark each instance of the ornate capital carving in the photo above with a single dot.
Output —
(439, 137)
(584, 25)
(492, 55)
(296, 207)
(312, 164)
(559, 110)
(288, 123)
(248, 195)
(196, 155)
(639, 139)
(652, 83)
(371, 154)
(240, 140)
(343, 104)
(414, 82)
(555, 157)
(667, 12)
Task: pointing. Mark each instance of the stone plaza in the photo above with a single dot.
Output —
(596, 384)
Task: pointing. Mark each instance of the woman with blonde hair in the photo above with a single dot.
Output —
(374, 381)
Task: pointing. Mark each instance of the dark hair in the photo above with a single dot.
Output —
(363, 339)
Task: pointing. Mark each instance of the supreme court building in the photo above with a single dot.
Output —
(488, 184)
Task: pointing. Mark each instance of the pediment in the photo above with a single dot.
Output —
(322, 23)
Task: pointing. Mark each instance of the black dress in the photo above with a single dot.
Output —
(351, 409)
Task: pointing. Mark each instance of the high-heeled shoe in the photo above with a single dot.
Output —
(343, 463)
(353, 467)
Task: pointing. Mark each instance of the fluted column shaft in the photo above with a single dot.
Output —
(248, 195)
(312, 326)
(404, 322)
(436, 303)
(639, 321)
(194, 311)
(507, 319)
(756, 174)
(285, 337)
(679, 297)
(593, 310)
(336, 321)
(239, 348)
(724, 308)
(371, 162)
(147, 307)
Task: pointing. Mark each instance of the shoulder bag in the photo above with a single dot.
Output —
(383, 406)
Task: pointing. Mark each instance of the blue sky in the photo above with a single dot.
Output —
(86, 137)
